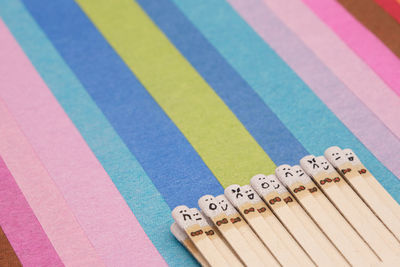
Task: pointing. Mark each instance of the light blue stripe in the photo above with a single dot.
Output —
(269, 132)
(125, 171)
(302, 112)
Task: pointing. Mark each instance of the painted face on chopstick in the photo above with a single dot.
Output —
(335, 156)
(209, 205)
(183, 216)
(310, 165)
(236, 195)
(351, 156)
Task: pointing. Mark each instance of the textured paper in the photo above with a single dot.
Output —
(220, 139)
(372, 16)
(392, 7)
(363, 42)
(346, 106)
(347, 66)
(145, 201)
(261, 122)
(20, 225)
(7, 253)
(43, 196)
(129, 134)
(309, 120)
(99, 208)
(165, 154)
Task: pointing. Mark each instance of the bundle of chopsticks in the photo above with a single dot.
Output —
(329, 211)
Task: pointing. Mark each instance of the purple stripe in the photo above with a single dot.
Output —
(346, 106)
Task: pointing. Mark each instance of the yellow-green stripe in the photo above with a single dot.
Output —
(217, 135)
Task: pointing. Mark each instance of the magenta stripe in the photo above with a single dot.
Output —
(43, 196)
(99, 208)
(342, 61)
(360, 40)
(362, 123)
(21, 227)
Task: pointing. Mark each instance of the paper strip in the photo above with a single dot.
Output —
(364, 43)
(20, 225)
(216, 134)
(43, 196)
(123, 168)
(8, 256)
(99, 208)
(266, 128)
(310, 121)
(347, 66)
(346, 106)
(372, 16)
(173, 165)
(392, 7)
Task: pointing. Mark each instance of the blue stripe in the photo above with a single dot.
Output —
(259, 120)
(303, 113)
(124, 169)
(169, 160)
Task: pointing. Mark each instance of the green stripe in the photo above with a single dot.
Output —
(213, 130)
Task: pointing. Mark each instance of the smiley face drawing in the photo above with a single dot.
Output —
(260, 180)
(261, 183)
(324, 164)
(351, 156)
(355, 161)
(284, 171)
(329, 172)
(250, 194)
(276, 184)
(310, 165)
(304, 179)
(225, 205)
(312, 161)
(235, 194)
(198, 218)
(285, 174)
(299, 172)
(209, 205)
(254, 205)
(183, 216)
(229, 209)
(300, 175)
(335, 156)
(237, 191)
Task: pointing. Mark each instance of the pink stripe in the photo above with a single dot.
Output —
(363, 42)
(99, 208)
(21, 227)
(363, 123)
(346, 65)
(46, 201)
